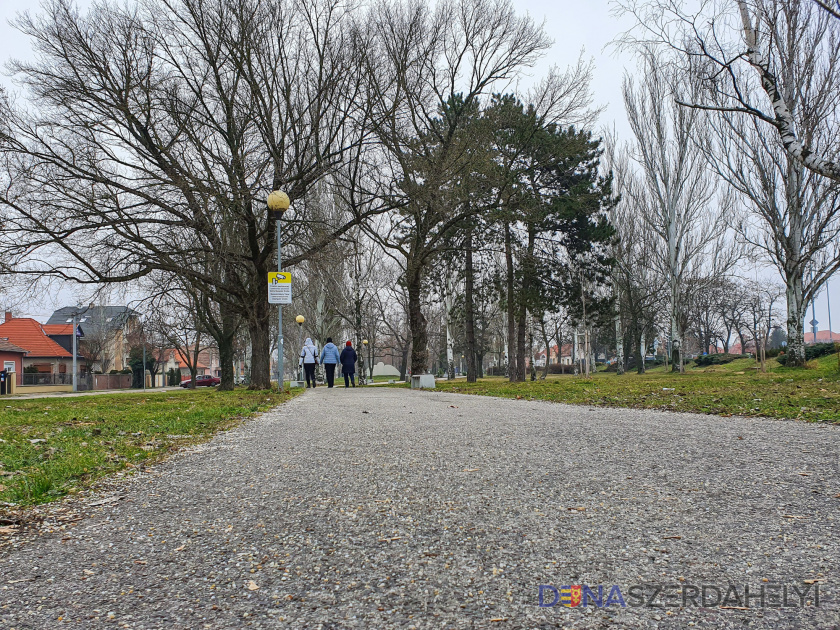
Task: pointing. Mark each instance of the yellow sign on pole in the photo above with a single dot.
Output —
(279, 287)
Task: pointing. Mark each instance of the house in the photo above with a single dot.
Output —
(11, 358)
(62, 334)
(823, 336)
(556, 355)
(107, 333)
(45, 361)
(172, 359)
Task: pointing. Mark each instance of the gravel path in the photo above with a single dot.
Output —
(385, 508)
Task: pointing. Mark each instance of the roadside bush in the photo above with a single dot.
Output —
(811, 352)
(772, 353)
(718, 359)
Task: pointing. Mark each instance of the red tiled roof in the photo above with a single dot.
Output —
(29, 334)
(57, 329)
(181, 358)
(823, 336)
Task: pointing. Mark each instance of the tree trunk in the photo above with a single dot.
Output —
(417, 322)
(513, 367)
(795, 321)
(640, 364)
(450, 341)
(259, 330)
(521, 330)
(403, 362)
(225, 343)
(676, 341)
(469, 309)
(619, 344)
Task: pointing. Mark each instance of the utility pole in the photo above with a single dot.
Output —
(75, 352)
(828, 299)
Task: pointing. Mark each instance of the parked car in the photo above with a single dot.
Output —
(203, 380)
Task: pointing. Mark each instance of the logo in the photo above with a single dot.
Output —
(765, 595)
(570, 596)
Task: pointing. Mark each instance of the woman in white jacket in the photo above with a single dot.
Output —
(309, 361)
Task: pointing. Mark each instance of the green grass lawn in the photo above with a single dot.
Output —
(735, 388)
(54, 446)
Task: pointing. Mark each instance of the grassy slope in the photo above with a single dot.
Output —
(55, 446)
(735, 388)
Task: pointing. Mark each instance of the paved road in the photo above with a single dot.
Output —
(385, 508)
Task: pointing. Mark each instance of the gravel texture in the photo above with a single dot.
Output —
(386, 508)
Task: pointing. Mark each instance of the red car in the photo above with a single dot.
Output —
(204, 380)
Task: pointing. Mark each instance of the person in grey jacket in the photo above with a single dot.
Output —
(329, 359)
(309, 361)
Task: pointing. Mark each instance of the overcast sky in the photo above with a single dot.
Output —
(572, 24)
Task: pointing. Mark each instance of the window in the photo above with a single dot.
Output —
(9, 366)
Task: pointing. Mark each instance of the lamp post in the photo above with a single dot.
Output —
(300, 319)
(278, 203)
(362, 362)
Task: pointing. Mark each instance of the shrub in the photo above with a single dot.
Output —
(560, 368)
(718, 359)
(811, 352)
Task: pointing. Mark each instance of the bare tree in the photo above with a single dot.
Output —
(156, 131)
(741, 50)
(673, 193)
(792, 215)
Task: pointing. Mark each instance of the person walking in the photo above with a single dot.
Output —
(348, 365)
(330, 358)
(309, 360)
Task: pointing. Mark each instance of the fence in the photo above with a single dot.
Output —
(46, 378)
(85, 382)
(112, 381)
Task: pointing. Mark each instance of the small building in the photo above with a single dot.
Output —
(45, 361)
(107, 333)
(11, 358)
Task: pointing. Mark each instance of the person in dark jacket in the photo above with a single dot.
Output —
(348, 365)
(329, 359)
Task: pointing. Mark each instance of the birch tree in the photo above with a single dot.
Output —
(740, 51)
(791, 214)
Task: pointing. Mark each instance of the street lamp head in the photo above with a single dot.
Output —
(278, 202)
(365, 341)
(300, 319)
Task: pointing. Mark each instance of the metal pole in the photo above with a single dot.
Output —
(279, 319)
(828, 299)
(144, 359)
(814, 321)
(300, 345)
(75, 367)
